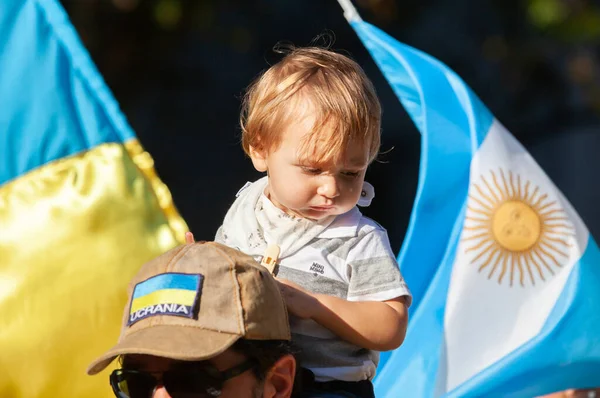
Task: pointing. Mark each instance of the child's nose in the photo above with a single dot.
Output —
(328, 187)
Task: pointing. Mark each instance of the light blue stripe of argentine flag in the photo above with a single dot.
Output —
(453, 123)
(166, 281)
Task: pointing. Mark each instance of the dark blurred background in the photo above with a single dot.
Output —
(178, 69)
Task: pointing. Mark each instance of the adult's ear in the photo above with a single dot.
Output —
(259, 158)
(279, 382)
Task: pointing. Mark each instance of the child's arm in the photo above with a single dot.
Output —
(376, 315)
(374, 325)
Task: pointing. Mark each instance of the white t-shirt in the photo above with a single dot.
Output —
(346, 256)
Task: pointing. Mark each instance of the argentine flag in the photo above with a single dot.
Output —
(505, 275)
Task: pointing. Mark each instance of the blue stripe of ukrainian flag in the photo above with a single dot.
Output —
(81, 208)
(166, 281)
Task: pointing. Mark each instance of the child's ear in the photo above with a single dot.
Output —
(259, 158)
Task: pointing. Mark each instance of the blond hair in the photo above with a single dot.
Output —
(341, 97)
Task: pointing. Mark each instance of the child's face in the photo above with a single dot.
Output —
(303, 189)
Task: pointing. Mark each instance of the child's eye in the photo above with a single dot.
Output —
(311, 170)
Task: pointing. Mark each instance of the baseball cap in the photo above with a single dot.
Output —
(194, 302)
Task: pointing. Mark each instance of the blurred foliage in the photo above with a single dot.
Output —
(576, 23)
(546, 13)
(535, 32)
(573, 21)
(167, 13)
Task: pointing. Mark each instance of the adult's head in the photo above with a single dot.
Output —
(202, 320)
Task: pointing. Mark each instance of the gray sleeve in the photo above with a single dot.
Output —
(374, 272)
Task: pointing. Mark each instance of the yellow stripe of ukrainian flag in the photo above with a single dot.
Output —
(73, 234)
(164, 296)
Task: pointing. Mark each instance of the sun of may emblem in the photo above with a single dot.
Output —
(513, 228)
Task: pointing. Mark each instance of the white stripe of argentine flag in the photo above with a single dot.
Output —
(505, 275)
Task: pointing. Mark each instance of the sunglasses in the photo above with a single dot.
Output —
(203, 382)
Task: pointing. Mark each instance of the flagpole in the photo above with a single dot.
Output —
(350, 11)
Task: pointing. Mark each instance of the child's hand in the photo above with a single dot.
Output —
(299, 302)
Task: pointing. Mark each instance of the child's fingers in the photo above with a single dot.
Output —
(189, 237)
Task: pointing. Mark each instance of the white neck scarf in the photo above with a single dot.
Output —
(253, 222)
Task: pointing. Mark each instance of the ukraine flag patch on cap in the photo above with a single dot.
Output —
(165, 294)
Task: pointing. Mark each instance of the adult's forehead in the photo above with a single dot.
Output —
(153, 363)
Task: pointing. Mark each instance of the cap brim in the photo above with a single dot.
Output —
(168, 341)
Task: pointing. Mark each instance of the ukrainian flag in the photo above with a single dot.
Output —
(81, 207)
(172, 293)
